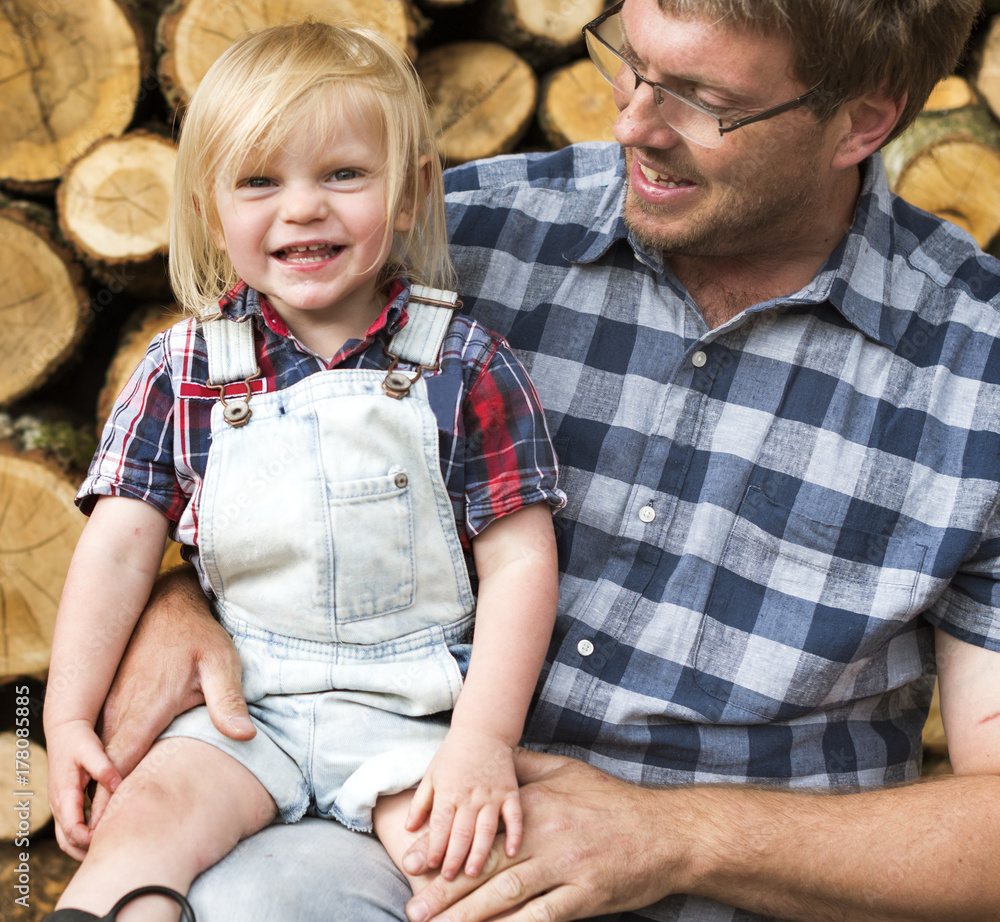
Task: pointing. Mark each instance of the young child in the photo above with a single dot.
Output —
(338, 452)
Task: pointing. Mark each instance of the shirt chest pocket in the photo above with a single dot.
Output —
(803, 614)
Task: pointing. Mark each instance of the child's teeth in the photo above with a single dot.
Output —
(312, 251)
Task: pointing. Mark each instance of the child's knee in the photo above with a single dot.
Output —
(149, 799)
(142, 802)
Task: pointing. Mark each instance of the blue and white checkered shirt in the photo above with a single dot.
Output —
(765, 520)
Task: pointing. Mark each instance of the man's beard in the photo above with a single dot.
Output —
(752, 218)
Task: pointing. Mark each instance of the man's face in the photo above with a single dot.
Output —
(757, 192)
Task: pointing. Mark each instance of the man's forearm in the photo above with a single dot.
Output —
(929, 850)
(594, 845)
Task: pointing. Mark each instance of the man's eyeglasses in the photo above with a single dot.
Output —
(687, 118)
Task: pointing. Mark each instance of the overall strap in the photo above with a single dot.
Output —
(429, 313)
(231, 358)
(231, 354)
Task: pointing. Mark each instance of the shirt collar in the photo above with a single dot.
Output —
(241, 303)
(608, 224)
(855, 278)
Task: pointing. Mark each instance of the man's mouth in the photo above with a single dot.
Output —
(313, 252)
(663, 179)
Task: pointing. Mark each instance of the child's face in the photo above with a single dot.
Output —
(306, 226)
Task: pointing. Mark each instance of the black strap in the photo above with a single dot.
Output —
(187, 913)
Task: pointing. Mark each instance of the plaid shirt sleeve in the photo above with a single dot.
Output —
(135, 456)
(509, 461)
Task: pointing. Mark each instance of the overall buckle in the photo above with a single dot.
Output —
(237, 413)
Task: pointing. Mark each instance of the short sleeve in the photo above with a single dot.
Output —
(969, 607)
(135, 455)
(510, 461)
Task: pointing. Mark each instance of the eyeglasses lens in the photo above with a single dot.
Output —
(680, 115)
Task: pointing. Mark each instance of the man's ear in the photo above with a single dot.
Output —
(865, 123)
(407, 211)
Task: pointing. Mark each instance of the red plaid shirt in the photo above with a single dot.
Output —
(496, 455)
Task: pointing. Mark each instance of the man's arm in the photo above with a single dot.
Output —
(925, 851)
(179, 656)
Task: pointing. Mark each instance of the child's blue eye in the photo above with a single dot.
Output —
(344, 175)
(255, 182)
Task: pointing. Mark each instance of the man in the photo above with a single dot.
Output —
(774, 390)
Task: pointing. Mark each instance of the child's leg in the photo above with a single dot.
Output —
(389, 818)
(183, 808)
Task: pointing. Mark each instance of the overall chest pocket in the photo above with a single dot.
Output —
(802, 613)
(371, 529)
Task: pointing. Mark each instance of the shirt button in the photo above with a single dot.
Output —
(699, 359)
(584, 648)
(647, 514)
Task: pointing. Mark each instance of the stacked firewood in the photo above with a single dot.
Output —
(91, 94)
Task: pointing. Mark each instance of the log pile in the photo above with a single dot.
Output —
(91, 94)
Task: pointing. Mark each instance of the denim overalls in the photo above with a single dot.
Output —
(328, 538)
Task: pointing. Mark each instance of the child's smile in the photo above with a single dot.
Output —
(307, 226)
(309, 253)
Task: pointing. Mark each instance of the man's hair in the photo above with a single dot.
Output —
(304, 80)
(851, 47)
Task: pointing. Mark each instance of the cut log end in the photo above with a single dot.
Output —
(987, 70)
(38, 533)
(952, 92)
(948, 163)
(193, 33)
(114, 201)
(70, 74)
(483, 98)
(26, 802)
(544, 32)
(43, 302)
(135, 339)
(959, 181)
(576, 105)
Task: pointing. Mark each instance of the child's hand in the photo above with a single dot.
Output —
(75, 757)
(469, 784)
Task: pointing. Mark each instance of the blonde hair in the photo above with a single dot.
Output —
(303, 78)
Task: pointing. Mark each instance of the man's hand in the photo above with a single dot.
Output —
(179, 656)
(592, 845)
